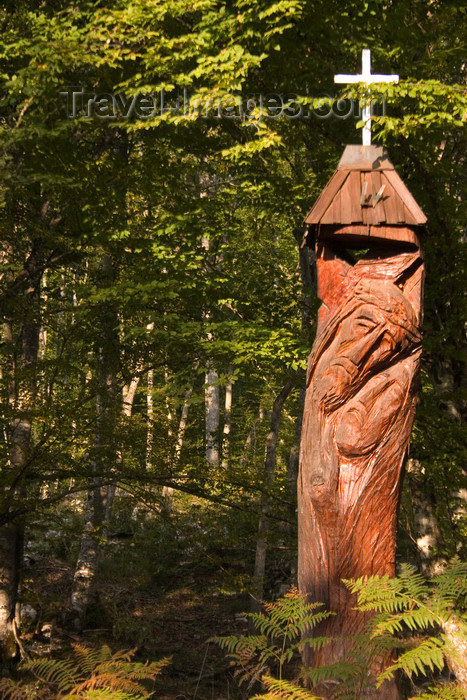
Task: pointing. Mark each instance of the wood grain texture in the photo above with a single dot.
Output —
(322, 203)
(343, 200)
(359, 407)
(361, 233)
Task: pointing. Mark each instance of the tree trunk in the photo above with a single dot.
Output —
(21, 379)
(293, 463)
(183, 424)
(104, 457)
(11, 554)
(150, 411)
(269, 469)
(308, 279)
(167, 491)
(250, 442)
(211, 389)
(128, 397)
(150, 423)
(227, 420)
(424, 527)
(212, 408)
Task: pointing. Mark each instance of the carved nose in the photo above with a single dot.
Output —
(360, 349)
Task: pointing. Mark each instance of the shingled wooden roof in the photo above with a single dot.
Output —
(366, 190)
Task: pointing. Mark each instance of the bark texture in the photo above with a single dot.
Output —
(227, 419)
(21, 346)
(359, 407)
(11, 554)
(212, 406)
(269, 469)
(104, 458)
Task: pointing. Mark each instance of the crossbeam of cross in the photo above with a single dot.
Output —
(366, 77)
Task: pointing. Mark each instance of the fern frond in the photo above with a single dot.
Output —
(289, 617)
(450, 691)
(389, 595)
(108, 681)
(413, 583)
(428, 654)
(94, 673)
(87, 658)
(315, 643)
(450, 587)
(102, 694)
(58, 672)
(339, 671)
(11, 690)
(283, 690)
(238, 645)
(414, 619)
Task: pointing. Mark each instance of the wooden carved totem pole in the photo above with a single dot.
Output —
(361, 387)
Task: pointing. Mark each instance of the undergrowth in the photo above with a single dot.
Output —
(89, 674)
(425, 621)
(283, 631)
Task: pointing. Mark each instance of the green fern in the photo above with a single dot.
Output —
(425, 620)
(283, 690)
(450, 691)
(428, 654)
(432, 612)
(352, 677)
(282, 628)
(91, 674)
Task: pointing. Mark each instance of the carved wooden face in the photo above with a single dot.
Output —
(375, 326)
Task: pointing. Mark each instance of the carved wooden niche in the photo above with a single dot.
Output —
(361, 384)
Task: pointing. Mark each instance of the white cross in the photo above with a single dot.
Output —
(367, 78)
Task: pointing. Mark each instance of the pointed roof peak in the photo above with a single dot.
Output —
(366, 190)
(356, 157)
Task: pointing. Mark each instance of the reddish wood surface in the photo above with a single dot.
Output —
(360, 401)
(343, 202)
(332, 188)
(413, 213)
(362, 233)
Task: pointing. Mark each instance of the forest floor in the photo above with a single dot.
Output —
(166, 590)
(178, 624)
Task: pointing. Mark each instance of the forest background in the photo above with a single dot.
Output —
(158, 308)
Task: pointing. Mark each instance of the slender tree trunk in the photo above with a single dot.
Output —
(269, 469)
(212, 407)
(167, 491)
(293, 464)
(21, 379)
(428, 497)
(211, 394)
(308, 279)
(424, 528)
(11, 552)
(183, 424)
(150, 412)
(128, 397)
(104, 458)
(250, 442)
(227, 420)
